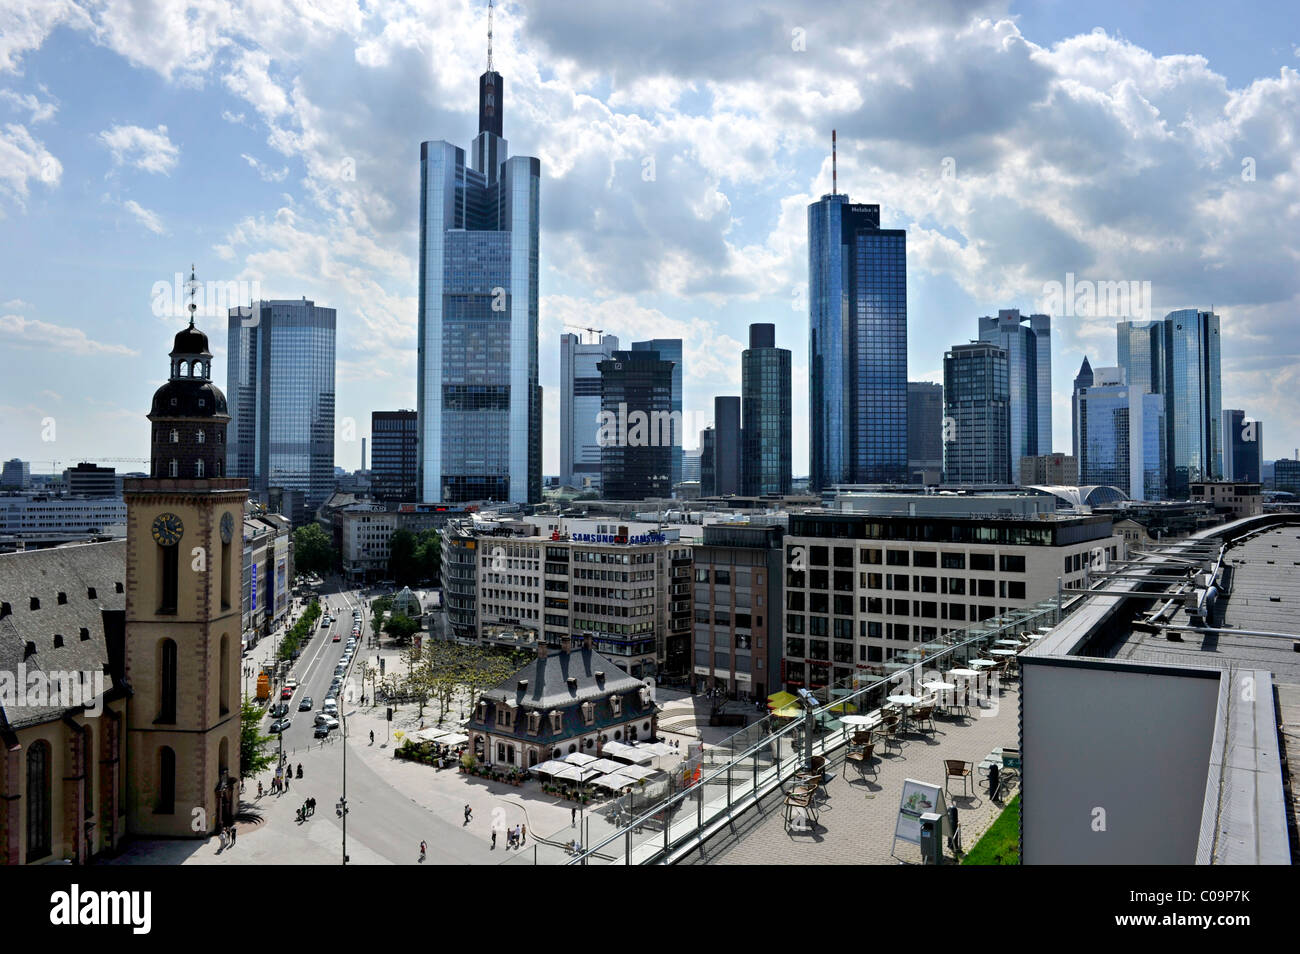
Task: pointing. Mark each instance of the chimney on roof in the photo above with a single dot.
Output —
(542, 649)
(600, 678)
(523, 685)
(566, 645)
(573, 683)
(588, 642)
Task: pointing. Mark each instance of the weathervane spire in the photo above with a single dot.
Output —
(193, 286)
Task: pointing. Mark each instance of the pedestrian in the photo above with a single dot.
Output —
(573, 817)
(523, 835)
(233, 833)
(286, 783)
(469, 813)
(259, 788)
(422, 850)
(494, 839)
(223, 839)
(372, 736)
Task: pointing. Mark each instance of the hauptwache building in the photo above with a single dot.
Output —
(119, 662)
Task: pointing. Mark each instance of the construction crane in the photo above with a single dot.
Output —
(597, 332)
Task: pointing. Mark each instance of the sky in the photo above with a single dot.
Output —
(275, 145)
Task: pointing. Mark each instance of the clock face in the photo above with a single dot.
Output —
(227, 527)
(167, 529)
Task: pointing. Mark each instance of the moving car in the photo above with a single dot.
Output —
(321, 731)
(280, 725)
(286, 693)
(279, 709)
(335, 639)
(324, 718)
(305, 705)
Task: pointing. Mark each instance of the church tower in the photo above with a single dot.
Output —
(184, 563)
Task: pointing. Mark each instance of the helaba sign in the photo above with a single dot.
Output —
(616, 538)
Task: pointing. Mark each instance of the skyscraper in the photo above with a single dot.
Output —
(580, 407)
(394, 456)
(280, 379)
(1028, 343)
(1243, 446)
(670, 349)
(1178, 358)
(924, 427)
(766, 409)
(636, 425)
(1081, 380)
(478, 398)
(727, 467)
(708, 477)
(1121, 435)
(977, 399)
(857, 345)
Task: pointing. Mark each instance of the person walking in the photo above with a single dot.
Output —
(573, 817)
(233, 835)
(523, 835)
(372, 736)
(469, 813)
(422, 850)
(494, 839)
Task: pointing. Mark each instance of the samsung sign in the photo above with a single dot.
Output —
(614, 538)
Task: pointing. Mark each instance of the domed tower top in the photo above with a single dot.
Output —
(189, 413)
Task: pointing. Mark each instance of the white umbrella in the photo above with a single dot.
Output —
(579, 758)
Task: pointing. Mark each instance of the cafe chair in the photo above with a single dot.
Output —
(956, 768)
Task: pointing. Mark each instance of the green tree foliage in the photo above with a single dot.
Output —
(301, 630)
(428, 555)
(402, 566)
(312, 552)
(252, 744)
(401, 627)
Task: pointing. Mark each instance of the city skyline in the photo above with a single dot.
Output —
(737, 260)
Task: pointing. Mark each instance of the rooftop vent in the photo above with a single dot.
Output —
(5, 610)
(573, 682)
(117, 587)
(58, 641)
(29, 649)
(35, 604)
(63, 598)
(90, 593)
(523, 685)
(600, 676)
(85, 634)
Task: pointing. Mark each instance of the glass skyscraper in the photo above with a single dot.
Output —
(766, 399)
(1122, 436)
(1243, 443)
(1178, 358)
(636, 438)
(670, 349)
(1081, 380)
(924, 427)
(857, 345)
(1028, 343)
(478, 398)
(727, 446)
(280, 389)
(580, 408)
(394, 456)
(977, 403)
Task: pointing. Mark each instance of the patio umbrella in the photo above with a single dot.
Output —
(579, 758)
(779, 700)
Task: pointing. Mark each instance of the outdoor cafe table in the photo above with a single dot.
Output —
(906, 701)
(1034, 636)
(1007, 642)
(1002, 652)
(983, 663)
(964, 673)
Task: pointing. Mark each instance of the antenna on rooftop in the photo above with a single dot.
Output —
(834, 174)
(489, 69)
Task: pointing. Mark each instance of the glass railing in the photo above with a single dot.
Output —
(732, 775)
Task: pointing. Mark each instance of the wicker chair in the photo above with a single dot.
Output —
(956, 768)
(862, 758)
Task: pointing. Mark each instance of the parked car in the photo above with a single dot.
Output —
(321, 731)
(305, 705)
(286, 693)
(324, 718)
(279, 709)
(280, 725)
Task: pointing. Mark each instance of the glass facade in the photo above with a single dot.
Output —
(924, 426)
(280, 375)
(636, 443)
(580, 408)
(1028, 343)
(1243, 442)
(1178, 358)
(766, 409)
(977, 403)
(1105, 415)
(857, 347)
(394, 456)
(479, 401)
(670, 349)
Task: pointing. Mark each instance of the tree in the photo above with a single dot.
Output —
(428, 555)
(401, 627)
(312, 552)
(402, 565)
(252, 757)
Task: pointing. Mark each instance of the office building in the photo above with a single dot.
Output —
(91, 480)
(924, 427)
(1286, 475)
(1057, 470)
(394, 456)
(636, 426)
(280, 375)
(866, 589)
(16, 476)
(738, 641)
(479, 402)
(1243, 447)
(691, 466)
(857, 345)
(1121, 436)
(580, 408)
(1081, 380)
(708, 462)
(1178, 358)
(670, 349)
(727, 446)
(1027, 341)
(766, 409)
(977, 404)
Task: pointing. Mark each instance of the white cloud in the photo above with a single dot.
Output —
(39, 110)
(145, 217)
(23, 159)
(150, 150)
(266, 172)
(24, 25)
(18, 331)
